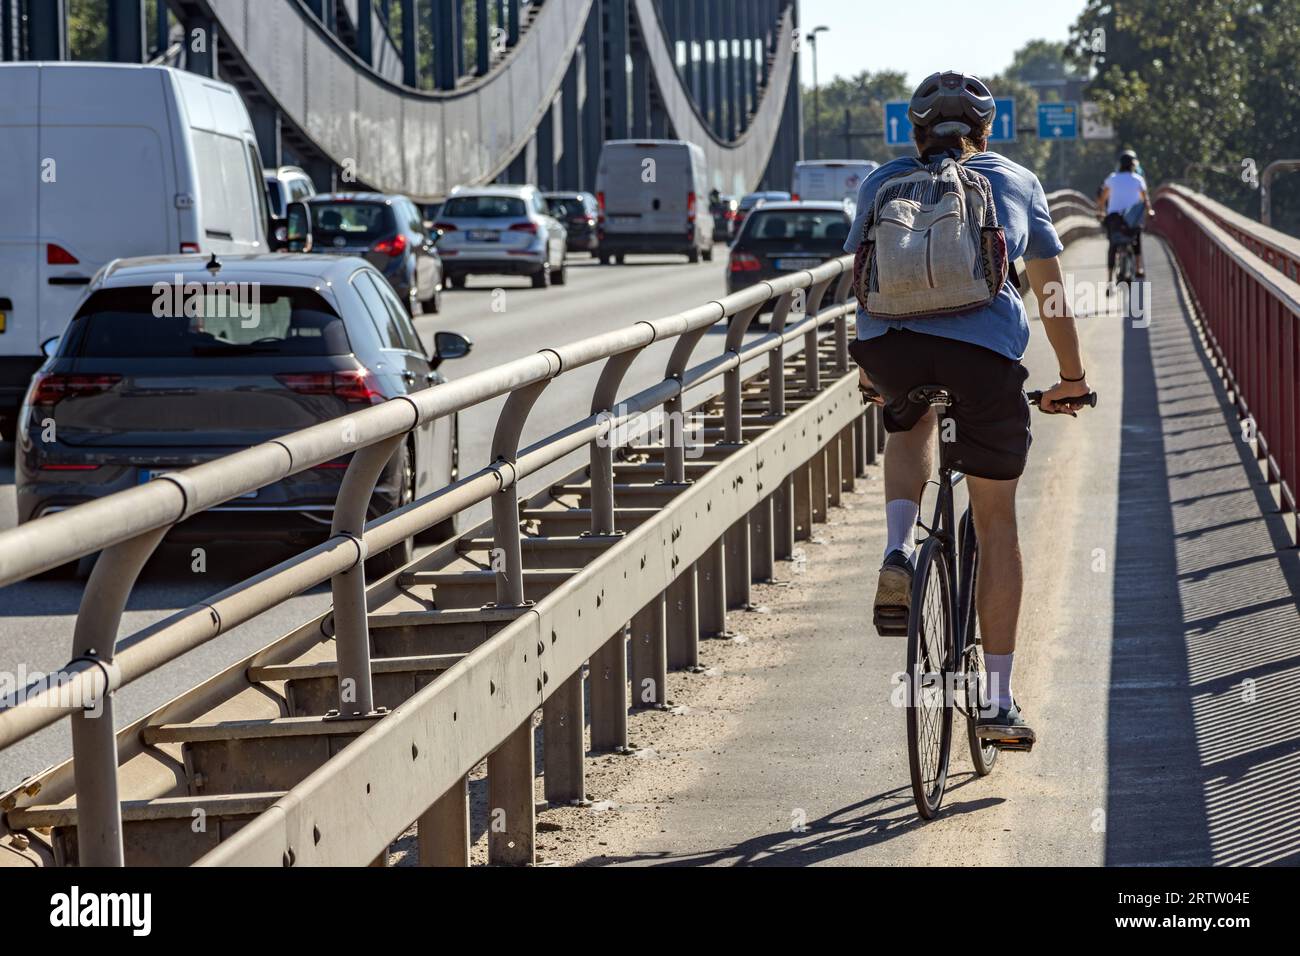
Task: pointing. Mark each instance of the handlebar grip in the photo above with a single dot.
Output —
(1036, 398)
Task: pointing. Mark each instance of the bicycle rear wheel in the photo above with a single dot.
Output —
(983, 755)
(929, 699)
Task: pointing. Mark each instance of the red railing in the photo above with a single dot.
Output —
(1249, 308)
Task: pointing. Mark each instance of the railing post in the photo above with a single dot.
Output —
(803, 509)
(834, 479)
(811, 352)
(650, 655)
(783, 519)
(675, 444)
(608, 687)
(683, 624)
(762, 540)
(732, 417)
(819, 492)
(602, 449)
(94, 738)
(351, 622)
(738, 573)
(842, 363)
(443, 829)
(511, 824)
(776, 359)
(505, 503)
(848, 458)
(713, 591)
(563, 745)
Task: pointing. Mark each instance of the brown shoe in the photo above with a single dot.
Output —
(894, 595)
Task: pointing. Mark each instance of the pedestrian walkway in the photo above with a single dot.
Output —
(1159, 658)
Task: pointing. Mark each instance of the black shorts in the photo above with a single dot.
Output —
(990, 432)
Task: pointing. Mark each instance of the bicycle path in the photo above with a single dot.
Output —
(1159, 653)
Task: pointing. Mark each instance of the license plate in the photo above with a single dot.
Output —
(625, 220)
(484, 235)
(789, 265)
(149, 474)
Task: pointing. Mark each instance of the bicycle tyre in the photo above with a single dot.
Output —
(930, 636)
(982, 756)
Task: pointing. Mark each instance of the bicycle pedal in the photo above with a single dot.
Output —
(891, 621)
(1014, 743)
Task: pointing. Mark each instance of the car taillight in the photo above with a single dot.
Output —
(445, 227)
(529, 227)
(690, 207)
(795, 198)
(189, 248)
(732, 215)
(58, 256)
(57, 467)
(351, 385)
(600, 201)
(50, 389)
(391, 247)
(744, 262)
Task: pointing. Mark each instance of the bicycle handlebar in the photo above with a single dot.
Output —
(1036, 398)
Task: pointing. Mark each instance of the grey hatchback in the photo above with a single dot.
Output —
(173, 361)
(390, 233)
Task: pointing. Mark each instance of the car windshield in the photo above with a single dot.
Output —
(200, 320)
(829, 224)
(353, 222)
(484, 207)
(567, 207)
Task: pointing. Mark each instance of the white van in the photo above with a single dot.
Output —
(102, 161)
(830, 180)
(654, 197)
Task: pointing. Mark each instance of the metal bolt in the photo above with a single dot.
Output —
(20, 841)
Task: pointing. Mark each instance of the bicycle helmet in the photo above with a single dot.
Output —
(952, 103)
(1128, 160)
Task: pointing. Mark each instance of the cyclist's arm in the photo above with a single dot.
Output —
(1146, 201)
(1103, 198)
(1048, 283)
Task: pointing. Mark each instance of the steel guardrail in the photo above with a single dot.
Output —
(1247, 307)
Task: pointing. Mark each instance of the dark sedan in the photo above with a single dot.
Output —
(177, 360)
(784, 237)
(580, 214)
(751, 201)
(390, 233)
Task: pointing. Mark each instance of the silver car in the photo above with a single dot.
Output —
(501, 230)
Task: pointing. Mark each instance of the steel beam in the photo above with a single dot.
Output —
(365, 39)
(443, 829)
(482, 38)
(571, 94)
(514, 27)
(126, 31)
(410, 47)
(47, 30)
(512, 834)
(608, 688)
(617, 122)
(563, 743)
(593, 103)
(447, 46)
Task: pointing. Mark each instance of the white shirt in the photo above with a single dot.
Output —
(1126, 191)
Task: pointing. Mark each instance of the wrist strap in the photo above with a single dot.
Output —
(1079, 379)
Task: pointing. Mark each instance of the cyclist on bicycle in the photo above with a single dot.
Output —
(977, 356)
(1123, 190)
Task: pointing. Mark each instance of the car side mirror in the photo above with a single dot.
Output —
(295, 234)
(448, 346)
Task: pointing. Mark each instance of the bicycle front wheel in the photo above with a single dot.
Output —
(929, 695)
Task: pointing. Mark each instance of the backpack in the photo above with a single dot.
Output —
(931, 244)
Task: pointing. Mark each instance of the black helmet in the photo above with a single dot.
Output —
(952, 103)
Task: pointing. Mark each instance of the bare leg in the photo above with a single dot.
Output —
(1001, 575)
(909, 460)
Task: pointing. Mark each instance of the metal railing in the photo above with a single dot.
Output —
(126, 528)
(1243, 278)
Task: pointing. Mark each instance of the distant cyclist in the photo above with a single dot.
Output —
(1121, 194)
(976, 354)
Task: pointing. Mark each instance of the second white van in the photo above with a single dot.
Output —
(654, 197)
(100, 162)
(830, 180)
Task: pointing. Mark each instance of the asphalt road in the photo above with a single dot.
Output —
(506, 319)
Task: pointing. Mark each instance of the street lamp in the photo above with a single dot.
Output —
(817, 103)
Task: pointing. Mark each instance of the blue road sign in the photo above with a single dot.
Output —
(1058, 120)
(1004, 123)
(898, 128)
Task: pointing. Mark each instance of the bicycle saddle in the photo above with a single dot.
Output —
(932, 395)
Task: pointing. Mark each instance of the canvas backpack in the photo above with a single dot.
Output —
(931, 244)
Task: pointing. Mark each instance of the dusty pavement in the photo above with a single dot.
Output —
(1134, 653)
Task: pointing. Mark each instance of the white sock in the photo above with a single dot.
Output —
(998, 668)
(900, 525)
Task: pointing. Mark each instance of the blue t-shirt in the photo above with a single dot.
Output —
(1003, 325)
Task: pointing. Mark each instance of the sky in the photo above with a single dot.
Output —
(908, 36)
